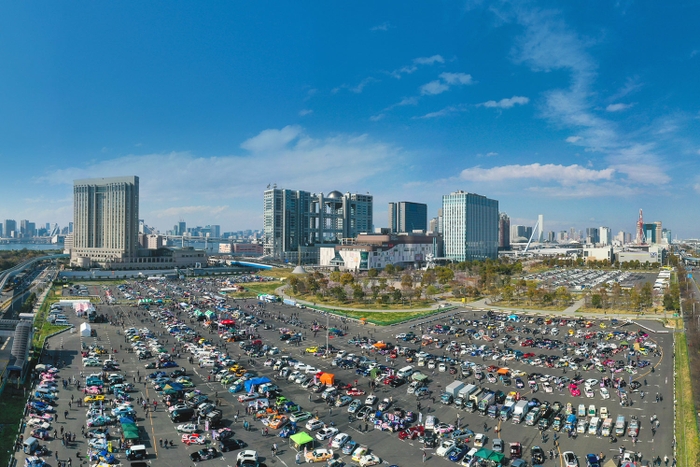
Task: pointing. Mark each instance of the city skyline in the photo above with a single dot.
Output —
(584, 112)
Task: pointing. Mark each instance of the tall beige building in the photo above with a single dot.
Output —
(106, 221)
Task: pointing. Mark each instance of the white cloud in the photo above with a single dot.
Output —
(699, 152)
(491, 154)
(443, 84)
(423, 61)
(228, 189)
(452, 109)
(434, 87)
(272, 140)
(456, 78)
(506, 103)
(562, 174)
(573, 139)
(358, 88)
(619, 107)
(640, 164)
(632, 85)
(385, 26)
(429, 60)
(376, 118)
(304, 112)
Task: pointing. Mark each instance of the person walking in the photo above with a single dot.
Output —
(425, 456)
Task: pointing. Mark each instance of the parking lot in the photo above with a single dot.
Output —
(580, 279)
(480, 347)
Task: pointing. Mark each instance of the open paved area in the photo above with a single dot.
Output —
(155, 425)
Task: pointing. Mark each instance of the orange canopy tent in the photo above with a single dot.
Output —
(503, 371)
(380, 345)
(327, 379)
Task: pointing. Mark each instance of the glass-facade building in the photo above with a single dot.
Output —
(470, 226)
(405, 216)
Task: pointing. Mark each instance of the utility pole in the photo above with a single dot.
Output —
(327, 330)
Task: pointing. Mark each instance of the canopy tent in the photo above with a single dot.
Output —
(85, 330)
(489, 455)
(503, 371)
(256, 382)
(210, 314)
(380, 345)
(301, 440)
(327, 379)
(130, 430)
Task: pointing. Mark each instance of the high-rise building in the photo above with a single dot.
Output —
(470, 226)
(540, 224)
(405, 216)
(520, 233)
(296, 223)
(605, 235)
(181, 228)
(10, 229)
(503, 232)
(592, 235)
(106, 216)
(658, 234)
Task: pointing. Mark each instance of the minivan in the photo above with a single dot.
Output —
(181, 415)
(405, 372)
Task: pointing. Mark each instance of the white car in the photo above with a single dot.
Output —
(311, 370)
(314, 424)
(248, 397)
(187, 428)
(604, 393)
(444, 447)
(369, 459)
(442, 367)
(326, 433)
(570, 459)
(371, 399)
(339, 440)
(588, 392)
(248, 454)
(480, 440)
(590, 383)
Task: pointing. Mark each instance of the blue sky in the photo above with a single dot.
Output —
(581, 111)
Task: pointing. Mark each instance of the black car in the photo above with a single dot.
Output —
(178, 372)
(538, 456)
(231, 444)
(395, 383)
(203, 454)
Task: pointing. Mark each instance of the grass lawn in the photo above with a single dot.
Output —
(255, 288)
(385, 318)
(44, 327)
(686, 426)
(11, 409)
(330, 303)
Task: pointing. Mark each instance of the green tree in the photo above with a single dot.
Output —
(669, 302)
(347, 278)
(430, 291)
(428, 277)
(389, 269)
(646, 295)
(596, 301)
(372, 273)
(357, 293)
(375, 292)
(396, 295)
(406, 281)
(444, 274)
(334, 276)
(293, 282)
(507, 293)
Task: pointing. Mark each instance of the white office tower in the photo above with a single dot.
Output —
(106, 220)
(605, 234)
(470, 226)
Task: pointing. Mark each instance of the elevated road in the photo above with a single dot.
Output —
(7, 274)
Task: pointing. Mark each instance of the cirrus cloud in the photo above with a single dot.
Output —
(505, 103)
(564, 174)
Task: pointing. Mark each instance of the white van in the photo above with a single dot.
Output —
(61, 322)
(405, 372)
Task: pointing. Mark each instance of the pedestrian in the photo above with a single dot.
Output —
(425, 456)
(160, 441)
(298, 457)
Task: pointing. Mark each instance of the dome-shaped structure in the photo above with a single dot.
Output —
(334, 194)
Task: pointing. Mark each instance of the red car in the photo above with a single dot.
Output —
(412, 433)
(527, 343)
(355, 392)
(528, 355)
(574, 390)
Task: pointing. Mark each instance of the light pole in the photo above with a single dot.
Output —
(327, 331)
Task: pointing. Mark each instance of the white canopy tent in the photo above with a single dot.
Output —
(85, 330)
